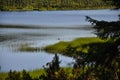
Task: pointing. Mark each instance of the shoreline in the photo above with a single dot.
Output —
(76, 45)
(19, 10)
(45, 27)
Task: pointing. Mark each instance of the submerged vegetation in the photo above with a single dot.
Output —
(28, 48)
(18, 5)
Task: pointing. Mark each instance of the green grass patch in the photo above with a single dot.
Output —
(72, 47)
(3, 75)
(57, 48)
(65, 47)
(34, 73)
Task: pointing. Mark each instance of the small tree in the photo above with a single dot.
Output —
(25, 75)
(51, 68)
(13, 75)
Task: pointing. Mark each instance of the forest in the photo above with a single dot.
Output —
(18, 5)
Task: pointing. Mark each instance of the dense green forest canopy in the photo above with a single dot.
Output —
(114, 2)
(53, 4)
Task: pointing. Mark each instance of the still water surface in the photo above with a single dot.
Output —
(66, 25)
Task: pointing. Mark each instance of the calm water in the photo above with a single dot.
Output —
(71, 25)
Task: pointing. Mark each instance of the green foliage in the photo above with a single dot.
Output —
(3, 75)
(52, 67)
(36, 73)
(72, 48)
(106, 60)
(53, 73)
(114, 2)
(13, 75)
(105, 29)
(26, 76)
(52, 4)
(33, 73)
(56, 48)
(102, 61)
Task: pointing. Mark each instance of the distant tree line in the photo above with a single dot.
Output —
(114, 2)
(53, 4)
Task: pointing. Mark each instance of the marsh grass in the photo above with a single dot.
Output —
(28, 48)
(77, 45)
(3, 75)
(7, 37)
(36, 72)
(65, 46)
(33, 73)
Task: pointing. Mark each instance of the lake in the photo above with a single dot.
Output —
(54, 26)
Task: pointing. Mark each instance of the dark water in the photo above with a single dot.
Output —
(66, 25)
